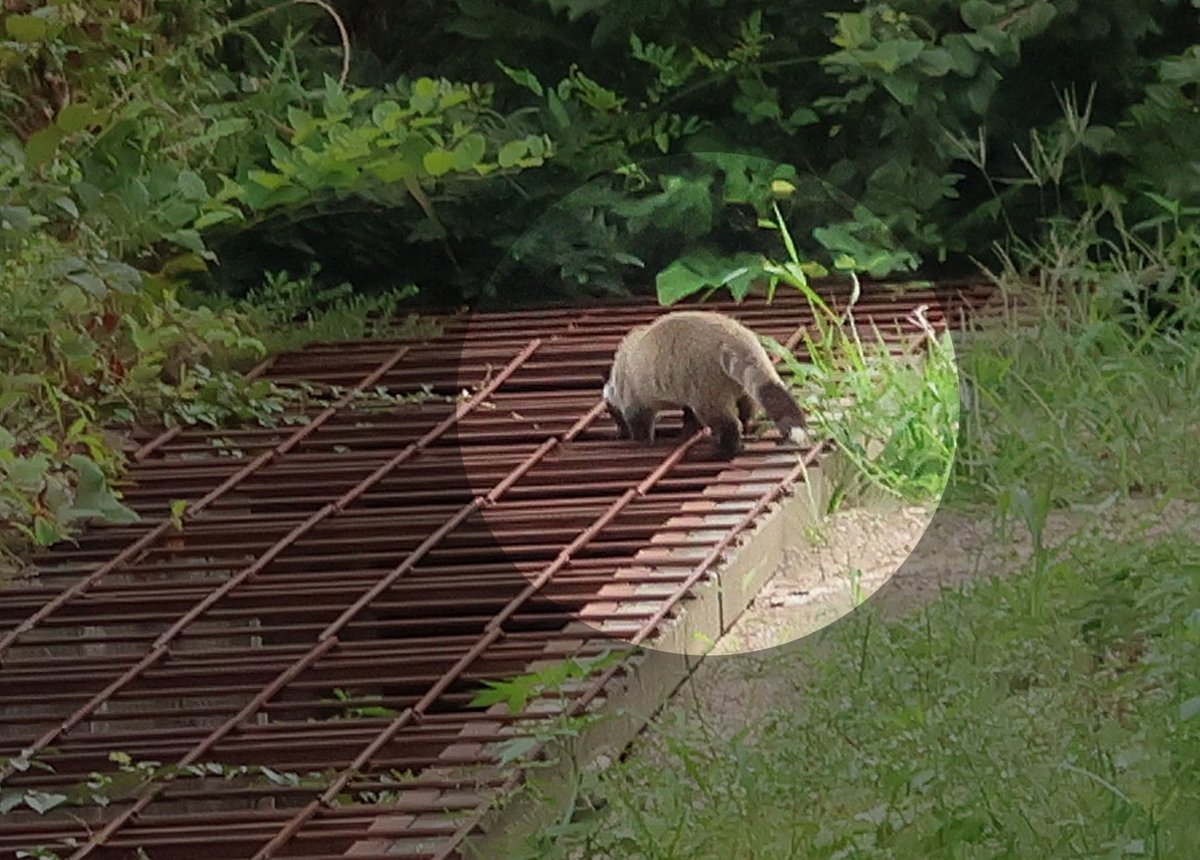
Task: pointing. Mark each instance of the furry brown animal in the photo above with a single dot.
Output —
(707, 363)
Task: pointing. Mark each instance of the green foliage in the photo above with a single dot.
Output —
(970, 728)
(378, 147)
(86, 342)
(129, 775)
(910, 116)
(235, 138)
(534, 736)
(704, 271)
(1093, 395)
(355, 711)
(292, 311)
(895, 418)
(516, 692)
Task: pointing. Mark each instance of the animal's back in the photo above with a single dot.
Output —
(683, 349)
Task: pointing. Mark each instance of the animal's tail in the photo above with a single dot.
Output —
(752, 370)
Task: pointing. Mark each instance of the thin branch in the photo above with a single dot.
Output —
(342, 32)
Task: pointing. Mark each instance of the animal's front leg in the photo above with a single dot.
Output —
(641, 425)
(727, 432)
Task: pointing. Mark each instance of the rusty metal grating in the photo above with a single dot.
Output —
(299, 657)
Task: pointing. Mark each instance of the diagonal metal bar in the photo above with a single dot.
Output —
(301, 433)
(170, 433)
(493, 632)
(161, 645)
(647, 629)
(328, 638)
(494, 629)
(326, 641)
(262, 630)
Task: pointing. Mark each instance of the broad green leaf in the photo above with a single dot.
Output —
(517, 748)
(273, 181)
(20, 219)
(28, 472)
(438, 162)
(213, 217)
(184, 263)
(676, 282)
(191, 186)
(26, 28)
(67, 205)
(964, 57)
(558, 111)
(76, 117)
(424, 96)
(89, 282)
(893, 54)
(42, 145)
(46, 533)
(903, 90)
(390, 169)
(225, 127)
(386, 114)
(978, 14)
(936, 61)
(524, 77)
(512, 152)
(979, 93)
(187, 238)
(802, 117)
(469, 152)
(302, 124)
(740, 280)
(94, 498)
(336, 103)
(42, 802)
(854, 30)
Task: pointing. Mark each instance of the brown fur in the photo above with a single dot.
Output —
(710, 365)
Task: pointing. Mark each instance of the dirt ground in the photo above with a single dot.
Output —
(904, 557)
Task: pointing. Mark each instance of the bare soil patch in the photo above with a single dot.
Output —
(904, 557)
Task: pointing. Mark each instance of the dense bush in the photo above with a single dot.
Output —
(514, 151)
(918, 131)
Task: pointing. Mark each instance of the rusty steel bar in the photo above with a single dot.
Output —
(133, 549)
(328, 638)
(160, 646)
(171, 432)
(647, 629)
(474, 561)
(492, 632)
